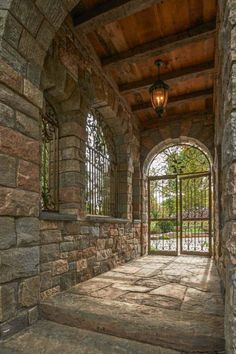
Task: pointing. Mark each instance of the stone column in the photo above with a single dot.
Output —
(124, 178)
(137, 201)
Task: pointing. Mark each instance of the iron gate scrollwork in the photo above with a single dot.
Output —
(49, 172)
(163, 214)
(195, 214)
(180, 214)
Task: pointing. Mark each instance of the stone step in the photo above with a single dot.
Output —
(185, 332)
(47, 337)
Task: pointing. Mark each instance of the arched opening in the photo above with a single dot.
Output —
(180, 201)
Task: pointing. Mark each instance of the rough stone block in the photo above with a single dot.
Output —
(69, 165)
(70, 195)
(59, 267)
(81, 264)
(73, 128)
(229, 140)
(27, 125)
(29, 292)
(7, 114)
(34, 73)
(68, 179)
(28, 176)
(50, 236)
(27, 14)
(101, 244)
(18, 263)
(18, 202)
(33, 94)
(49, 253)
(8, 171)
(13, 58)
(45, 34)
(8, 301)
(53, 10)
(45, 280)
(27, 230)
(14, 100)
(71, 153)
(7, 232)
(67, 280)
(23, 147)
(30, 49)
(50, 292)
(12, 30)
(67, 246)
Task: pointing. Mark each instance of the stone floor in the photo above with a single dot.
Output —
(172, 304)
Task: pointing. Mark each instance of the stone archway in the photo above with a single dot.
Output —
(155, 150)
(177, 141)
(180, 200)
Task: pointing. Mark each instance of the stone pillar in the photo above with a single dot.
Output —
(72, 179)
(137, 201)
(20, 102)
(124, 178)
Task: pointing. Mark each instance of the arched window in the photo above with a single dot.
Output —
(100, 167)
(49, 171)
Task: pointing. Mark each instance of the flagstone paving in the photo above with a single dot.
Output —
(173, 303)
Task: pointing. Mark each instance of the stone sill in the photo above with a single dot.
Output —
(53, 216)
(105, 219)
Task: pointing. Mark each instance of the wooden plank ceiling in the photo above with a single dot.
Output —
(129, 35)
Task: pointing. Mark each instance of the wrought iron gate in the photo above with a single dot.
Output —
(180, 214)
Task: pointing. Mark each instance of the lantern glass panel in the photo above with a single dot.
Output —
(158, 97)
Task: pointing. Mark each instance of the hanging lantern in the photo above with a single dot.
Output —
(159, 92)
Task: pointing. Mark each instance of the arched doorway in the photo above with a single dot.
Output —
(180, 201)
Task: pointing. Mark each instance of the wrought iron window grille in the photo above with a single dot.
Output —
(49, 172)
(101, 167)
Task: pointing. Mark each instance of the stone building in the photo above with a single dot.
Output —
(74, 78)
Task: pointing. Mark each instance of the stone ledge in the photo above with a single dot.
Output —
(105, 219)
(48, 215)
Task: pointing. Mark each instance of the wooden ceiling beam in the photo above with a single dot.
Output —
(173, 101)
(162, 45)
(108, 12)
(197, 115)
(171, 78)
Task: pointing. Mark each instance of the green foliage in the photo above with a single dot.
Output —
(179, 160)
(167, 226)
(186, 160)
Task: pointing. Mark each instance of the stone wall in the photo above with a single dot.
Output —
(198, 129)
(225, 142)
(72, 83)
(42, 57)
(20, 102)
(71, 252)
